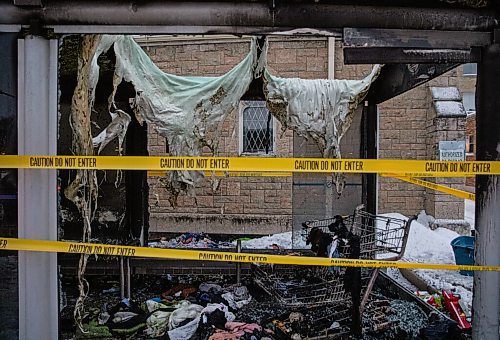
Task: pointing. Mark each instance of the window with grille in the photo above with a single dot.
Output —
(257, 127)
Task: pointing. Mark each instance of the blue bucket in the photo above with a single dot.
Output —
(463, 248)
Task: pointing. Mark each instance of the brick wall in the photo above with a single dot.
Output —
(264, 205)
(402, 127)
(246, 205)
(409, 129)
(402, 135)
(468, 84)
(470, 128)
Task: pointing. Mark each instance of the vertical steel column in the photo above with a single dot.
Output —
(37, 134)
(369, 146)
(329, 189)
(238, 264)
(486, 301)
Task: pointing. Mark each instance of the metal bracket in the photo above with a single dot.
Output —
(37, 28)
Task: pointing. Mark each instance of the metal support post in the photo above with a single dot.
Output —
(369, 145)
(486, 300)
(122, 279)
(238, 264)
(37, 189)
(128, 279)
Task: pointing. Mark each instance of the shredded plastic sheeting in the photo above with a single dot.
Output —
(182, 109)
(320, 109)
(187, 110)
(116, 129)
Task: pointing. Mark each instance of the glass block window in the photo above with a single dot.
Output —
(469, 100)
(257, 128)
(470, 69)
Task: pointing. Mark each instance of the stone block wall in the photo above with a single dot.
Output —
(238, 205)
(408, 129)
(402, 135)
(470, 127)
(441, 205)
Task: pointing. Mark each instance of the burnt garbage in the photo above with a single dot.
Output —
(199, 307)
(270, 302)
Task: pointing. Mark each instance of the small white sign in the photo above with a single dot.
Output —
(452, 151)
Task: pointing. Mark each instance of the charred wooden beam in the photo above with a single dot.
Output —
(415, 39)
(251, 15)
(385, 55)
(399, 78)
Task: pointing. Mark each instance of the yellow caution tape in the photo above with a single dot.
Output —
(230, 174)
(437, 187)
(181, 254)
(415, 168)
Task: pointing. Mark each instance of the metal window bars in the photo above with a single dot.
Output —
(382, 237)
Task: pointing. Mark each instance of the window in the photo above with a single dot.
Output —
(470, 69)
(257, 127)
(470, 144)
(469, 100)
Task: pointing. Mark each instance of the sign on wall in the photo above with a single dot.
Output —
(452, 151)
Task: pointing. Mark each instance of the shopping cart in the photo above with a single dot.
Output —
(381, 237)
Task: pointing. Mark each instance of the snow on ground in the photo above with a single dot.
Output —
(469, 212)
(433, 246)
(282, 240)
(396, 275)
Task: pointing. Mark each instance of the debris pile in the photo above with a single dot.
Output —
(214, 307)
(190, 240)
(200, 240)
(392, 318)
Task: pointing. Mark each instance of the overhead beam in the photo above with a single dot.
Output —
(398, 78)
(254, 14)
(428, 39)
(384, 55)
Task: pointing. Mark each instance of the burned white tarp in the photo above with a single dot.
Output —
(185, 109)
(320, 109)
(116, 129)
(182, 109)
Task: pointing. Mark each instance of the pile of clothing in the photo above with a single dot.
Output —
(183, 311)
(190, 240)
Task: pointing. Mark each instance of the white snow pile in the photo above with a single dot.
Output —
(470, 212)
(433, 246)
(282, 240)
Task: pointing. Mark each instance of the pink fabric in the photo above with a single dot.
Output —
(235, 331)
(225, 335)
(241, 326)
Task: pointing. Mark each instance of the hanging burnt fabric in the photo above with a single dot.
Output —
(320, 109)
(116, 129)
(182, 109)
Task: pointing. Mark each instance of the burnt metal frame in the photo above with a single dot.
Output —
(267, 17)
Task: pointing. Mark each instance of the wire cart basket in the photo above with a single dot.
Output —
(381, 237)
